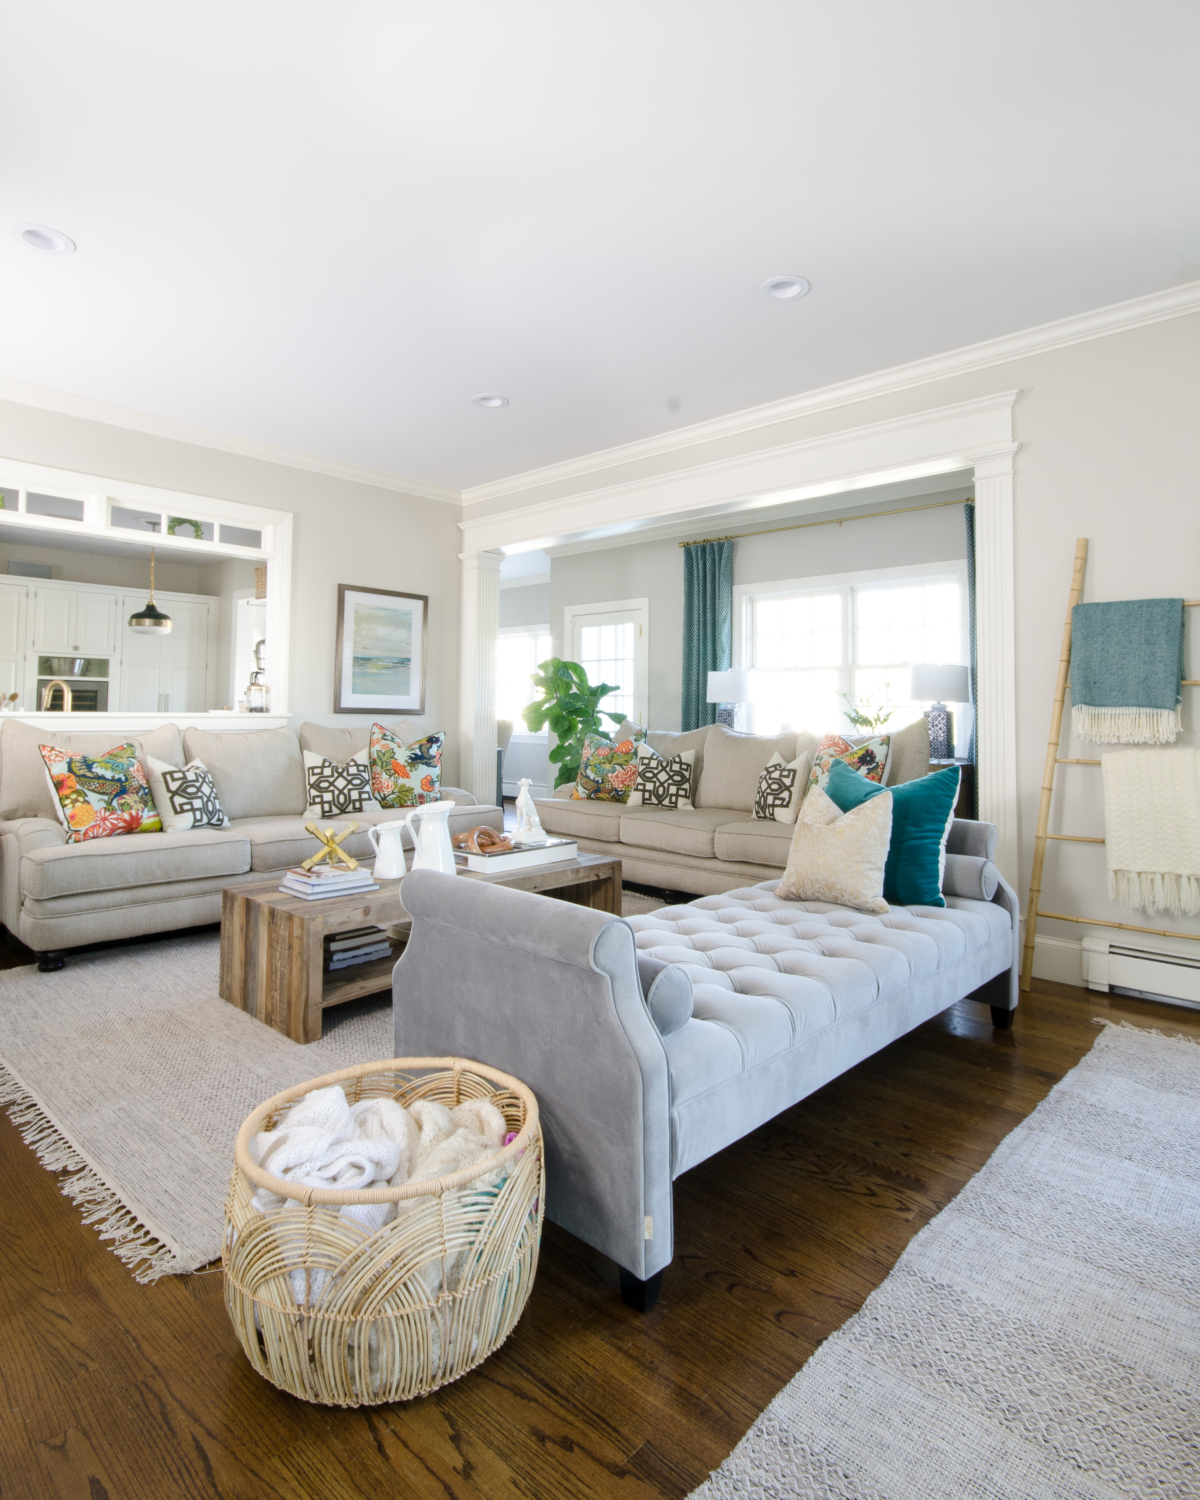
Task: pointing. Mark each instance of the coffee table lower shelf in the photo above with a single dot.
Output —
(273, 945)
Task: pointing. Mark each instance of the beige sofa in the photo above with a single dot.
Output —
(56, 895)
(717, 845)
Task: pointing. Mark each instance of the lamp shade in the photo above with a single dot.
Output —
(729, 687)
(941, 684)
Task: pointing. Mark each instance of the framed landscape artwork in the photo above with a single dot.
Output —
(380, 661)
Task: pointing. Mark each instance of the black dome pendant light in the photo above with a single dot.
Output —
(151, 620)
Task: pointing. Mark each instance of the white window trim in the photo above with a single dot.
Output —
(744, 593)
(641, 660)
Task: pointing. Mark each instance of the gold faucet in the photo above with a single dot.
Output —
(48, 691)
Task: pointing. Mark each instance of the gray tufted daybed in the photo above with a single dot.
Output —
(654, 1041)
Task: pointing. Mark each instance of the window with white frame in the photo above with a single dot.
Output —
(519, 651)
(809, 641)
(609, 641)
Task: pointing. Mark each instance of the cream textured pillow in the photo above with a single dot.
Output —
(781, 788)
(838, 856)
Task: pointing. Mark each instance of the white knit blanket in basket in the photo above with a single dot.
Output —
(1152, 832)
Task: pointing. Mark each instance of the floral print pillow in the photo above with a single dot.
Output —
(868, 759)
(405, 775)
(607, 770)
(101, 796)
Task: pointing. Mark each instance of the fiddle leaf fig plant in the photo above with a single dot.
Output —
(569, 708)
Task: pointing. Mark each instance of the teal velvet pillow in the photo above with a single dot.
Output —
(922, 811)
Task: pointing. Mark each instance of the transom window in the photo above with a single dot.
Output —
(810, 641)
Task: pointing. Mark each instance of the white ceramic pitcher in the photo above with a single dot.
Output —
(389, 851)
(431, 838)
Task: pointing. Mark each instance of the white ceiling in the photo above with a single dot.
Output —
(328, 226)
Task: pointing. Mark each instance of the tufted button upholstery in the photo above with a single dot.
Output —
(768, 974)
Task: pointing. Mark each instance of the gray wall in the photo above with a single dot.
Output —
(654, 570)
(109, 571)
(529, 605)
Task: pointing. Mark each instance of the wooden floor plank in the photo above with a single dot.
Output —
(110, 1389)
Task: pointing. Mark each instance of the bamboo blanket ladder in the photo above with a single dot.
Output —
(1053, 761)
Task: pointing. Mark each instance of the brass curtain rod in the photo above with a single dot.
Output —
(832, 521)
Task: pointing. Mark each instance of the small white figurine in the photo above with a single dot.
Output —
(529, 828)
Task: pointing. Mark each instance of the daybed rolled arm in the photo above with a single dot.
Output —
(549, 992)
(980, 839)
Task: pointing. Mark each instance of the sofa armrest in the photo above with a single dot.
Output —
(19, 837)
(566, 790)
(549, 992)
(458, 795)
(967, 836)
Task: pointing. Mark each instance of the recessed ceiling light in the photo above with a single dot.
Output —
(784, 288)
(41, 237)
(490, 400)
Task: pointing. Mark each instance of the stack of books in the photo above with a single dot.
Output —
(519, 857)
(319, 883)
(345, 949)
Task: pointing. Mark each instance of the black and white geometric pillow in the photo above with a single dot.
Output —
(663, 783)
(186, 798)
(780, 788)
(191, 794)
(333, 789)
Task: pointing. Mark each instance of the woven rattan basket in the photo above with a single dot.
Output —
(336, 1315)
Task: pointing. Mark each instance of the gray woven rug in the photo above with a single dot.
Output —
(128, 1075)
(1041, 1337)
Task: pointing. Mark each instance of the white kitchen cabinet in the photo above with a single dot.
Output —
(14, 613)
(68, 621)
(167, 673)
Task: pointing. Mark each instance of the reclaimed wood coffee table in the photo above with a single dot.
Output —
(273, 944)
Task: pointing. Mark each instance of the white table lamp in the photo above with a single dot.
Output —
(729, 690)
(932, 683)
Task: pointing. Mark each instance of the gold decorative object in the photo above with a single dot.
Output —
(331, 846)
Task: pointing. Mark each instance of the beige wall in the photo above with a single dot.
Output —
(344, 533)
(1108, 451)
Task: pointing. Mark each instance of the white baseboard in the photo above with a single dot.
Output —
(1058, 959)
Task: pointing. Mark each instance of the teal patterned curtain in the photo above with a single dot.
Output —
(969, 513)
(707, 625)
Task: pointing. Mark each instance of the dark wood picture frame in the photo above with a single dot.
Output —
(418, 657)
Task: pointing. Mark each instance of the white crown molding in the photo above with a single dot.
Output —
(531, 580)
(937, 441)
(91, 410)
(1175, 302)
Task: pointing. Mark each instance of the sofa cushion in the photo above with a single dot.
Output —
(584, 819)
(687, 830)
(908, 754)
(668, 743)
(25, 791)
(257, 772)
(116, 864)
(757, 841)
(734, 762)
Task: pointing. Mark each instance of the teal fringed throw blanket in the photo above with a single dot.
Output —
(1126, 671)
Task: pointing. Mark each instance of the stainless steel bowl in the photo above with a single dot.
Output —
(67, 666)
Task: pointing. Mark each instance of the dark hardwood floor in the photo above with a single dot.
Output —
(113, 1391)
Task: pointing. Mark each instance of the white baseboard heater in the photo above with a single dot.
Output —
(1145, 973)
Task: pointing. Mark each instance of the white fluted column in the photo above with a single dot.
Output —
(996, 637)
(477, 700)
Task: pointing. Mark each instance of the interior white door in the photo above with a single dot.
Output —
(96, 623)
(54, 621)
(610, 641)
(14, 605)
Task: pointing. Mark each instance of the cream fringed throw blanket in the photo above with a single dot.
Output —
(1152, 829)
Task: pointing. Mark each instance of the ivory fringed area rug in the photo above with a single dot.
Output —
(129, 1075)
(1041, 1337)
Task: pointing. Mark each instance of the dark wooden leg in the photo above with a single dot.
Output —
(48, 963)
(1002, 1017)
(640, 1295)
